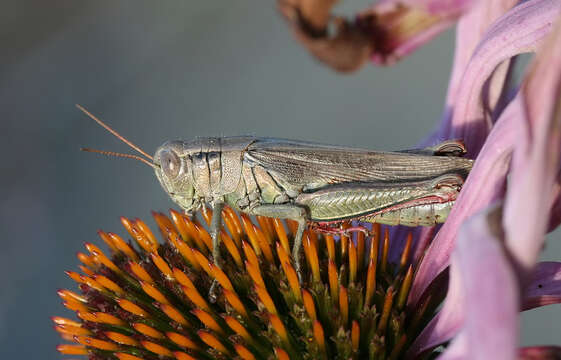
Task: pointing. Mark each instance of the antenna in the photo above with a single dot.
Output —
(116, 134)
(112, 153)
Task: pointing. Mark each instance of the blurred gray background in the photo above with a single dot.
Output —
(158, 71)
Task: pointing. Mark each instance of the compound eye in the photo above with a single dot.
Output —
(170, 163)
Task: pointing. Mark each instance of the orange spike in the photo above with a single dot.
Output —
(254, 273)
(319, 336)
(182, 356)
(237, 327)
(281, 234)
(185, 251)
(64, 321)
(355, 335)
(132, 308)
(181, 340)
(100, 256)
(164, 224)
(72, 349)
(405, 287)
(406, 251)
(162, 265)
(86, 270)
(120, 338)
(195, 297)
(278, 326)
(140, 238)
(108, 241)
(213, 342)
(309, 304)
(123, 246)
(352, 262)
(174, 314)
(92, 283)
(139, 272)
(313, 260)
(265, 299)
(203, 261)
(179, 223)
(72, 330)
(264, 244)
(182, 278)
(374, 245)
(86, 260)
(233, 224)
(193, 231)
(204, 235)
(208, 320)
(250, 254)
(344, 304)
(344, 242)
(100, 317)
(232, 248)
(207, 213)
(71, 296)
(385, 251)
(281, 354)
(222, 278)
(292, 226)
(109, 284)
(370, 283)
(266, 227)
(147, 232)
(235, 302)
(243, 352)
(125, 356)
(292, 278)
(333, 280)
(386, 310)
(360, 245)
(75, 306)
(156, 348)
(153, 292)
(147, 330)
(250, 231)
(330, 242)
(96, 343)
(282, 254)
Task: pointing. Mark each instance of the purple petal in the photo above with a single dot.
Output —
(520, 30)
(481, 306)
(540, 353)
(486, 181)
(484, 185)
(536, 157)
(469, 32)
(545, 287)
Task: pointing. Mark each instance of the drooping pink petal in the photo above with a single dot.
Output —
(399, 27)
(520, 30)
(385, 32)
(545, 287)
(486, 181)
(471, 27)
(540, 353)
(484, 185)
(536, 157)
(481, 307)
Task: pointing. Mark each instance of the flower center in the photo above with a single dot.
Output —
(151, 301)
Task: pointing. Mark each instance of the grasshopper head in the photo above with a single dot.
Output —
(174, 174)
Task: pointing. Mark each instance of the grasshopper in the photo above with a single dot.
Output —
(313, 184)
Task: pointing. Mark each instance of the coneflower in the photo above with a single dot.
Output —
(150, 299)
